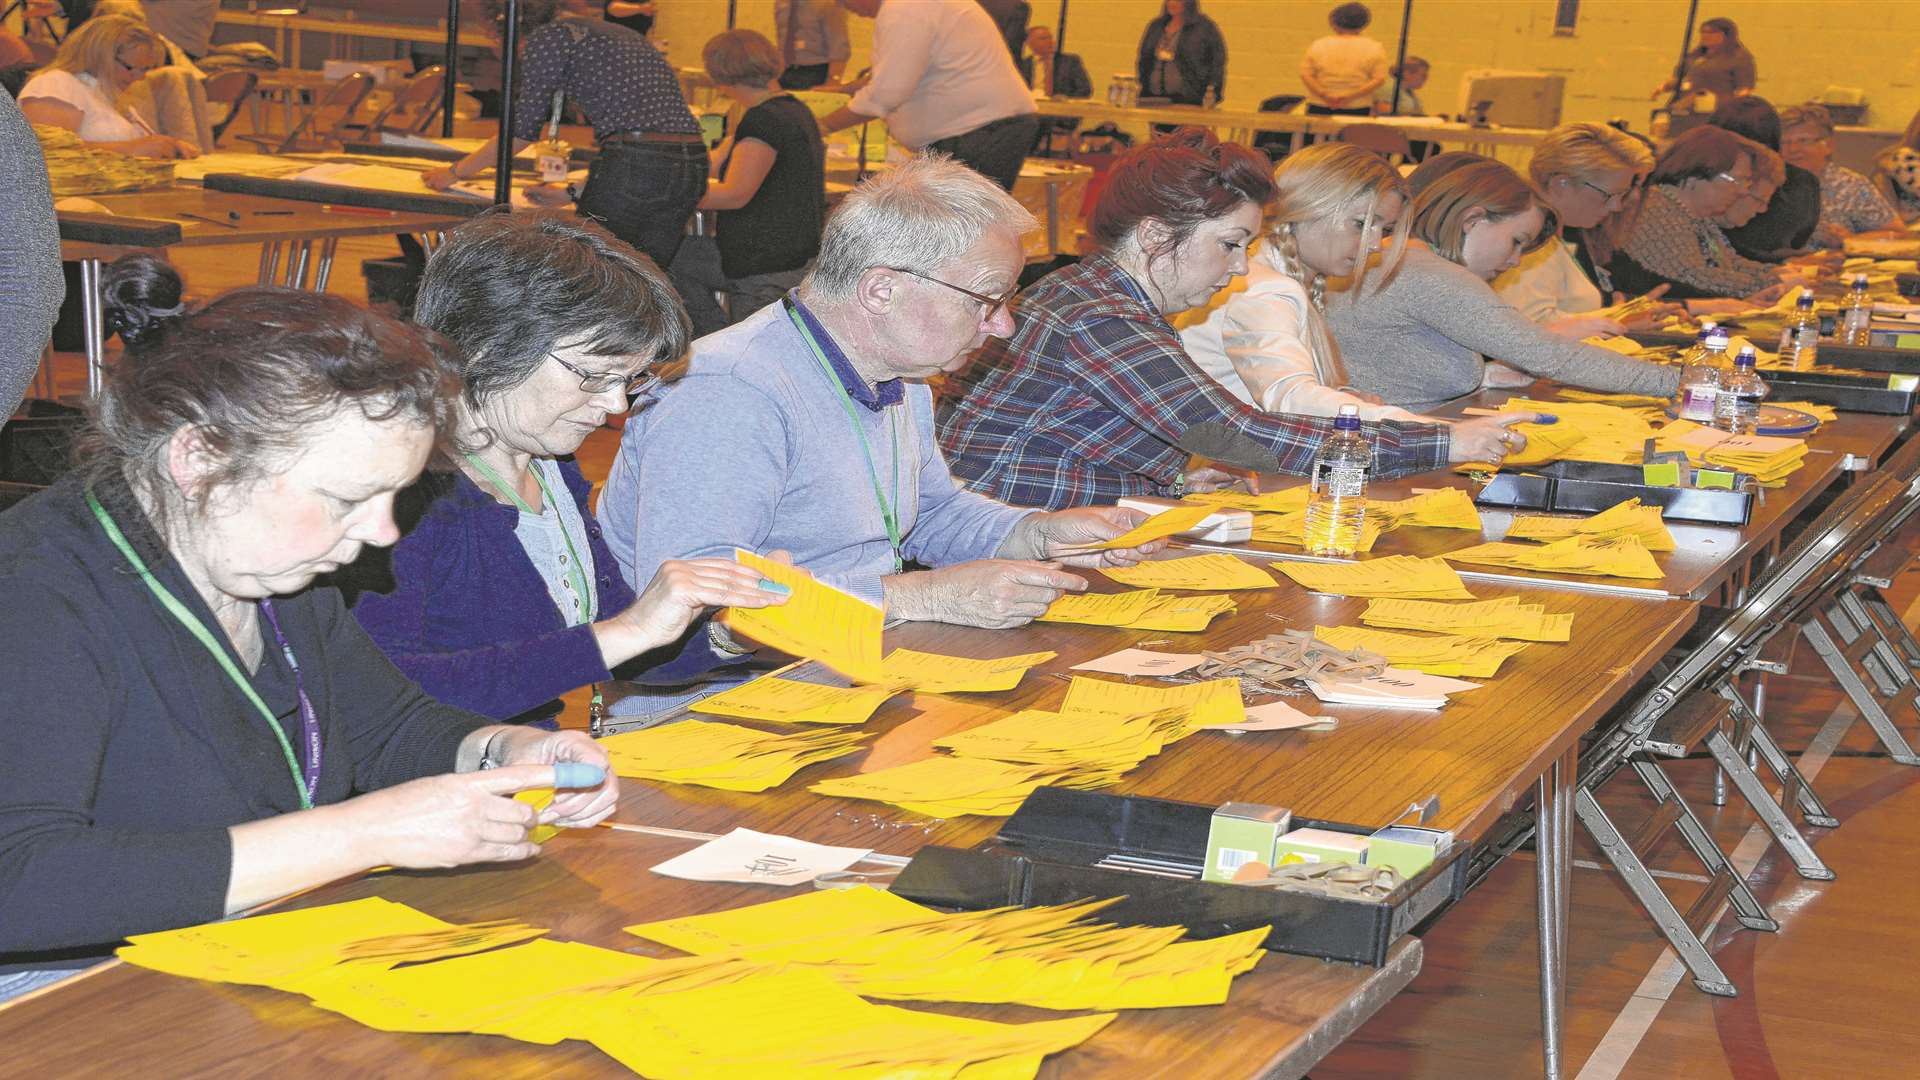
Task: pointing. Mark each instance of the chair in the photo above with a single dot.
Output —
(420, 97)
(1277, 144)
(345, 96)
(231, 88)
(1383, 139)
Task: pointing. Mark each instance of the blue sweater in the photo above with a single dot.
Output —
(459, 607)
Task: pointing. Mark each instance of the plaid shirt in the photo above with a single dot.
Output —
(1093, 399)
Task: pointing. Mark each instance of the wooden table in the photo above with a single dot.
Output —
(1710, 559)
(1480, 755)
(1243, 124)
(93, 239)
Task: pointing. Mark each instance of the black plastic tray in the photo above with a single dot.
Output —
(1832, 354)
(1588, 487)
(1046, 851)
(1848, 393)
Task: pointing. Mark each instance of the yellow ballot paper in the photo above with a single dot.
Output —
(725, 756)
(1285, 501)
(1447, 654)
(818, 621)
(1215, 703)
(1445, 508)
(1620, 556)
(1292, 529)
(1396, 575)
(1158, 527)
(1102, 609)
(938, 674)
(790, 702)
(946, 787)
(1628, 518)
(1183, 614)
(1092, 740)
(1196, 572)
(1505, 617)
(539, 799)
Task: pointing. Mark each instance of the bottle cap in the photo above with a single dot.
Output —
(1805, 301)
(1747, 357)
(1859, 281)
(1348, 420)
(1715, 337)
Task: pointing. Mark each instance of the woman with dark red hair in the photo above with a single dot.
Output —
(1095, 398)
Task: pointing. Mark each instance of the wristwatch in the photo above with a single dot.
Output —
(722, 641)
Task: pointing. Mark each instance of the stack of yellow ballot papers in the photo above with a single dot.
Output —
(1585, 431)
(937, 674)
(1442, 508)
(1506, 617)
(1284, 501)
(1402, 576)
(882, 946)
(1768, 458)
(1214, 703)
(789, 701)
(1034, 737)
(1196, 572)
(1139, 609)
(1158, 527)
(1292, 529)
(1618, 556)
(724, 756)
(1628, 518)
(946, 787)
(1447, 654)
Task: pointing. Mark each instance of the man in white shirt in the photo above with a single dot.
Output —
(944, 82)
(1342, 70)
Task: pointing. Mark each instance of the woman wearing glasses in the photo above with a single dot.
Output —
(80, 90)
(1676, 240)
(504, 596)
(1423, 336)
(1589, 175)
(1095, 397)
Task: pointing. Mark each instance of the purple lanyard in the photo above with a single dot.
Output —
(309, 722)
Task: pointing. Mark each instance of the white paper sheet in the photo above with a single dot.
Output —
(744, 855)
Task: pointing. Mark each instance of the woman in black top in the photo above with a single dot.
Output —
(652, 166)
(1718, 65)
(1183, 56)
(772, 192)
(187, 727)
(1784, 227)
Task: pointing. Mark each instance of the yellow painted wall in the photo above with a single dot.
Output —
(1621, 50)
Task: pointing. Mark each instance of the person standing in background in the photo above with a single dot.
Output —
(1413, 77)
(1183, 56)
(1342, 70)
(813, 42)
(1050, 73)
(1718, 65)
(186, 23)
(945, 83)
(29, 257)
(637, 17)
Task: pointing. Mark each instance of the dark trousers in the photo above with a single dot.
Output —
(993, 150)
(645, 192)
(803, 76)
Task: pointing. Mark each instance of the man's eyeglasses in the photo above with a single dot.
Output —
(599, 382)
(1615, 199)
(1732, 179)
(993, 304)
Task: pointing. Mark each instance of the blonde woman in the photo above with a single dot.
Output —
(1265, 340)
(1589, 175)
(80, 90)
(1422, 336)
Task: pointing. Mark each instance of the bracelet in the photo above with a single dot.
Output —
(486, 751)
(722, 641)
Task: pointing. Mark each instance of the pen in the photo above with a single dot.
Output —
(272, 213)
(365, 211)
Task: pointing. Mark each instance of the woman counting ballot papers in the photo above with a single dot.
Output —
(188, 726)
(1095, 398)
(503, 595)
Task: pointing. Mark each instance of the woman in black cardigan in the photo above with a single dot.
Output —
(187, 728)
(1183, 56)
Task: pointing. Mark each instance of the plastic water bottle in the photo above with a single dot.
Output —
(1337, 506)
(1700, 377)
(1856, 327)
(1800, 341)
(1737, 409)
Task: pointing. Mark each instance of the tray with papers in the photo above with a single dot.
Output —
(1066, 845)
(1588, 487)
(1887, 395)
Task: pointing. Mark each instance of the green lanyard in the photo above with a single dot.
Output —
(576, 569)
(888, 514)
(205, 636)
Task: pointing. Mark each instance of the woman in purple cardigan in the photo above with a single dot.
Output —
(503, 595)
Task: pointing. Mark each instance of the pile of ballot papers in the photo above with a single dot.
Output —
(1402, 576)
(1628, 518)
(1505, 617)
(1195, 572)
(1611, 556)
(1139, 609)
(725, 756)
(882, 946)
(1442, 654)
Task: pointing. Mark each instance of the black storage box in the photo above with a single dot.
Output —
(1045, 854)
(1588, 487)
(1849, 393)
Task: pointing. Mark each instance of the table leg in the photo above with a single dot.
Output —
(323, 269)
(297, 263)
(1553, 808)
(93, 323)
(269, 262)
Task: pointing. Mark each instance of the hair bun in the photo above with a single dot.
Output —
(142, 294)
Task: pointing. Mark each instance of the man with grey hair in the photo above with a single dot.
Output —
(807, 428)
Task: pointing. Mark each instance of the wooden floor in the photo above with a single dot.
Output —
(1830, 995)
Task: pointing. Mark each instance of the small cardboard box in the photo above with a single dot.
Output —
(1407, 848)
(1319, 846)
(1242, 833)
